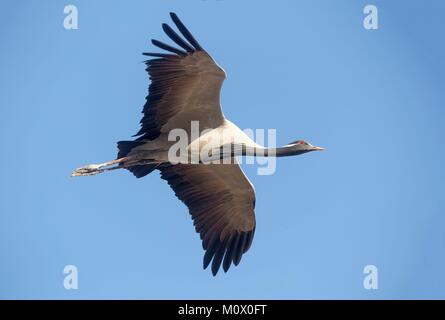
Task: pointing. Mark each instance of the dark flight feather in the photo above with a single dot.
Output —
(167, 47)
(176, 38)
(159, 55)
(185, 31)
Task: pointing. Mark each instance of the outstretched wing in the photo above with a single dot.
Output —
(221, 201)
(185, 86)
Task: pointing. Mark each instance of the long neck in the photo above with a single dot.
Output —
(270, 152)
(263, 152)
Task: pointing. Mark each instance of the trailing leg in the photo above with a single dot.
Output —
(93, 169)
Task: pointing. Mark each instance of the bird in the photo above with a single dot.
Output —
(185, 89)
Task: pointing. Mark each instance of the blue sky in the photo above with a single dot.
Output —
(309, 69)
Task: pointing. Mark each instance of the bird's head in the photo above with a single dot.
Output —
(301, 146)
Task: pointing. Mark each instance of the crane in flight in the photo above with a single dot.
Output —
(185, 87)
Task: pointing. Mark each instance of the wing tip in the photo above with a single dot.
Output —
(176, 38)
(228, 252)
(173, 15)
(167, 47)
(185, 32)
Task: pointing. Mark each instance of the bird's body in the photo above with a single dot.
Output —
(184, 103)
(196, 144)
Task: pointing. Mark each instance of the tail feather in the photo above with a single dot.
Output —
(138, 171)
(142, 171)
(126, 146)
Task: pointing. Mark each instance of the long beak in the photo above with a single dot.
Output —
(318, 149)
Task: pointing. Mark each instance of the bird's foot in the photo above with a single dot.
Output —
(93, 169)
(89, 170)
